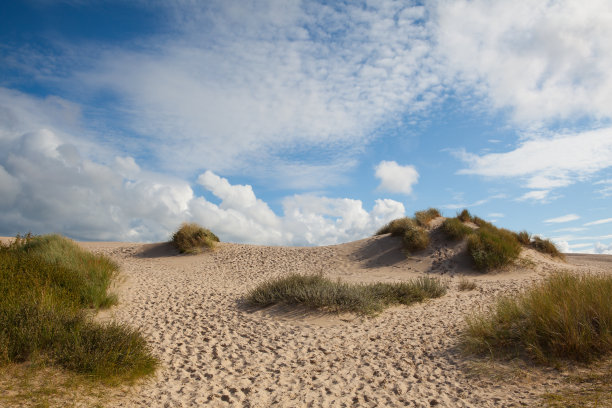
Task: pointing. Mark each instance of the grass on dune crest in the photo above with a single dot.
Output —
(46, 285)
(566, 316)
(455, 229)
(191, 238)
(491, 247)
(318, 292)
(424, 217)
(414, 236)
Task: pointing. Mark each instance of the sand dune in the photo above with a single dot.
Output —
(215, 351)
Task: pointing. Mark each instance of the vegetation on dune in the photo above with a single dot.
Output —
(455, 229)
(464, 216)
(414, 237)
(318, 292)
(424, 217)
(466, 284)
(491, 247)
(191, 238)
(523, 237)
(566, 316)
(46, 285)
(546, 246)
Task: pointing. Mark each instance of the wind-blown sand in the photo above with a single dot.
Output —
(215, 351)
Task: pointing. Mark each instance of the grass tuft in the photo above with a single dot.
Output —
(491, 247)
(414, 237)
(318, 292)
(566, 316)
(191, 238)
(546, 246)
(46, 284)
(424, 217)
(466, 284)
(523, 237)
(397, 227)
(455, 229)
(464, 216)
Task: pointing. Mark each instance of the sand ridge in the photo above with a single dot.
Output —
(216, 351)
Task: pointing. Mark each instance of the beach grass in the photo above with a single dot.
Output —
(466, 284)
(566, 316)
(414, 237)
(491, 247)
(455, 229)
(48, 288)
(318, 292)
(424, 217)
(192, 238)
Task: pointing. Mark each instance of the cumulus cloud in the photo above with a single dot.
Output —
(396, 178)
(546, 163)
(563, 218)
(603, 248)
(544, 61)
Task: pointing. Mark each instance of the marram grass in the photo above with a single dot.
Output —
(46, 285)
(566, 316)
(318, 292)
(191, 238)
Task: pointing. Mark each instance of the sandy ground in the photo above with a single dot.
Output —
(215, 351)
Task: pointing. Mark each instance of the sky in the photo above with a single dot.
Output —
(283, 122)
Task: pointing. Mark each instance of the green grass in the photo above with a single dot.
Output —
(318, 292)
(566, 316)
(455, 229)
(546, 246)
(424, 217)
(491, 247)
(523, 237)
(191, 238)
(414, 237)
(464, 216)
(46, 285)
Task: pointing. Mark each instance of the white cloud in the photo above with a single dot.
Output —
(571, 229)
(495, 215)
(603, 248)
(598, 222)
(396, 178)
(545, 61)
(563, 218)
(546, 163)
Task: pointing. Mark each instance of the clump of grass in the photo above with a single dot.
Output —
(191, 238)
(46, 284)
(566, 316)
(482, 223)
(464, 216)
(546, 246)
(414, 237)
(455, 229)
(523, 237)
(424, 217)
(466, 284)
(491, 247)
(318, 292)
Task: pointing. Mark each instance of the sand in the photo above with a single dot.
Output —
(216, 351)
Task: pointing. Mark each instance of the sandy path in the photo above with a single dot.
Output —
(216, 352)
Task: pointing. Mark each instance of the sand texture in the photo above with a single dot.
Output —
(216, 351)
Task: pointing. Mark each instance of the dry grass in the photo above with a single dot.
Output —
(424, 217)
(455, 229)
(466, 284)
(491, 247)
(191, 238)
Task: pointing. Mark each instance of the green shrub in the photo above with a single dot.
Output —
(491, 247)
(566, 316)
(397, 227)
(424, 217)
(546, 246)
(464, 216)
(455, 229)
(191, 238)
(523, 237)
(318, 292)
(45, 285)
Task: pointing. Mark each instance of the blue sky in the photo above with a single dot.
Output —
(305, 122)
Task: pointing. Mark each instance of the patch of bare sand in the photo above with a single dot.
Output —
(215, 351)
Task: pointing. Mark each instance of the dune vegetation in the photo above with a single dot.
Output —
(566, 316)
(48, 288)
(412, 231)
(316, 291)
(191, 238)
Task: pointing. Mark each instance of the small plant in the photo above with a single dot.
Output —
(315, 291)
(464, 216)
(414, 237)
(482, 223)
(546, 246)
(491, 247)
(566, 316)
(424, 217)
(455, 229)
(192, 238)
(523, 237)
(466, 284)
